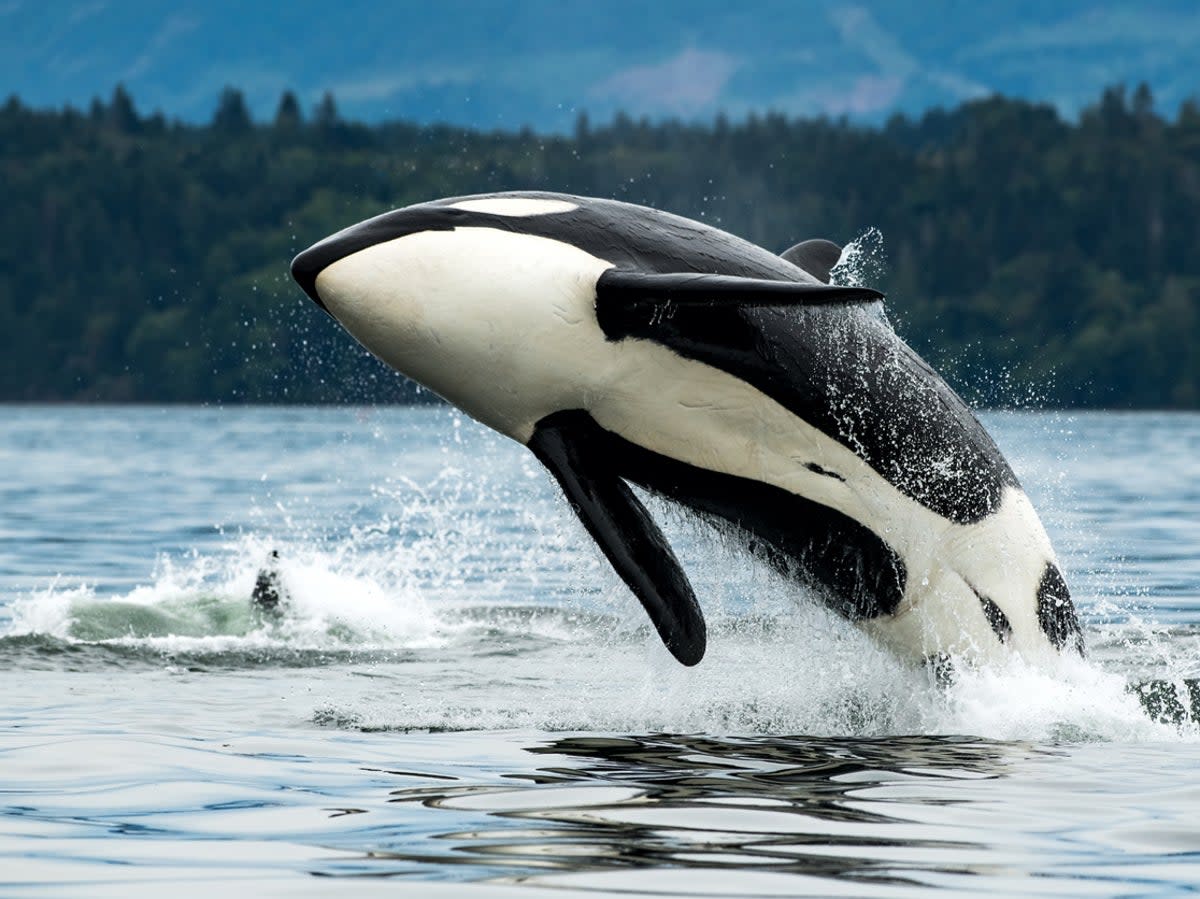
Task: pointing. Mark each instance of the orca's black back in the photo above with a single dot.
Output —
(840, 368)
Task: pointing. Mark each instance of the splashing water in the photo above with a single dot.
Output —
(475, 584)
(454, 686)
(863, 262)
(787, 667)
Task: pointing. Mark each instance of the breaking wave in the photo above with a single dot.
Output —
(449, 653)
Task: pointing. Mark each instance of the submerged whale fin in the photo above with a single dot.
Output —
(817, 257)
(268, 589)
(623, 529)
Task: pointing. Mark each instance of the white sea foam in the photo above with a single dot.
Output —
(478, 602)
(778, 664)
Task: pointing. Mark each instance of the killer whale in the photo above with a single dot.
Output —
(269, 594)
(623, 344)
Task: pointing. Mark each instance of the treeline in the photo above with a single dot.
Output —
(1029, 258)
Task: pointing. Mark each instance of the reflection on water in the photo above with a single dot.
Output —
(620, 814)
(790, 805)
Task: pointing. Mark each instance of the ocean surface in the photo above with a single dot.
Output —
(457, 697)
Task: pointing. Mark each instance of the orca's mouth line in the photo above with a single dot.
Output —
(388, 226)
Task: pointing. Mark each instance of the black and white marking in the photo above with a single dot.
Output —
(623, 344)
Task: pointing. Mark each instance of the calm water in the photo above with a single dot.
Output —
(459, 697)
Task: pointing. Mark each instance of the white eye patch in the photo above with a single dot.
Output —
(517, 207)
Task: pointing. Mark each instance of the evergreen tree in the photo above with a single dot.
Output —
(325, 115)
(141, 260)
(287, 115)
(121, 114)
(231, 116)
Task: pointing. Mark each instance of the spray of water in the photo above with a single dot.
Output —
(449, 654)
(863, 262)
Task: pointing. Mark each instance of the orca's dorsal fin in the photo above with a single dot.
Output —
(817, 257)
(568, 443)
(268, 589)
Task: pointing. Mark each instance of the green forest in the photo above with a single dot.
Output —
(1031, 259)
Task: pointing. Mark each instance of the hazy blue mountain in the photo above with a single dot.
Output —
(505, 64)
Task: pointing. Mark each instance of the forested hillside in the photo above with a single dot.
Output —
(1029, 258)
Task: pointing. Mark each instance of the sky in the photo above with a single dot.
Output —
(495, 64)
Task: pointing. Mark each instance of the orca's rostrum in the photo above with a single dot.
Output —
(626, 345)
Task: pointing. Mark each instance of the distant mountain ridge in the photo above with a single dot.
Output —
(539, 63)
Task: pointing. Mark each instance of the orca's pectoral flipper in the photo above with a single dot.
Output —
(817, 257)
(689, 289)
(565, 443)
(635, 304)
